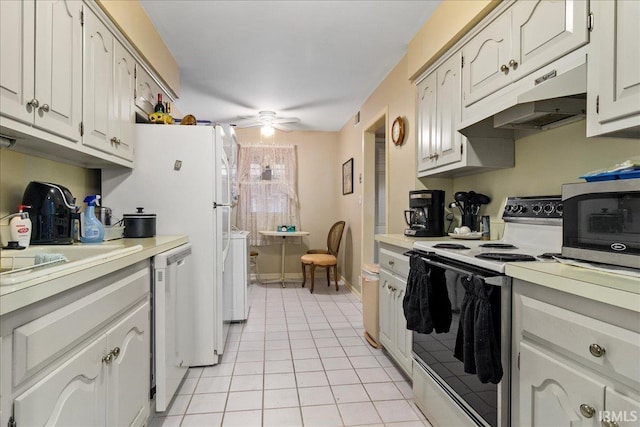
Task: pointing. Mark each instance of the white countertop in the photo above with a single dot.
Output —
(403, 241)
(615, 289)
(14, 297)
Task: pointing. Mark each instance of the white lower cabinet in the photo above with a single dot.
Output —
(84, 362)
(576, 361)
(394, 335)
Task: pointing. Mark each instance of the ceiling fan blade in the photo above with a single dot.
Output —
(248, 125)
(286, 120)
(282, 127)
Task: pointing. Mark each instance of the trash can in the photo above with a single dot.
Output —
(370, 281)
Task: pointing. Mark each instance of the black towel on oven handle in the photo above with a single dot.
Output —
(476, 343)
(426, 303)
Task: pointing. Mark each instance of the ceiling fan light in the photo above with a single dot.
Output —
(267, 130)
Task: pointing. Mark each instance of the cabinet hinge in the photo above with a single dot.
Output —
(590, 21)
(462, 62)
(598, 104)
(12, 422)
(461, 149)
(81, 129)
(82, 17)
(518, 360)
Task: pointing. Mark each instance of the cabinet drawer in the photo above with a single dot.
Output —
(39, 342)
(394, 262)
(578, 335)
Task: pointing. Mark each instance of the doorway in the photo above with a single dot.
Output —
(374, 186)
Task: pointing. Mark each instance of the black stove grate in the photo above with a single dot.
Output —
(449, 246)
(506, 257)
(498, 246)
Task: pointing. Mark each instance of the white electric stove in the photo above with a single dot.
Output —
(532, 232)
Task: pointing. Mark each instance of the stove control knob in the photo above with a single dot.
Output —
(548, 209)
(559, 209)
(536, 208)
(519, 209)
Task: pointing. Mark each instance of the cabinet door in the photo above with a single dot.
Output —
(386, 305)
(98, 77)
(485, 59)
(146, 91)
(58, 71)
(72, 395)
(544, 30)
(426, 110)
(128, 373)
(619, 63)
(123, 114)
(403, 336)
(552, 391)
(449, 110)
(17, 59)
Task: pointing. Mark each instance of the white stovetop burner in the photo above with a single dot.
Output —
(529, 238)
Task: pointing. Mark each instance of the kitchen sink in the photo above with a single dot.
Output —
(17, 266)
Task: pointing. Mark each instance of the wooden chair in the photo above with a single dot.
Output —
(326, 258)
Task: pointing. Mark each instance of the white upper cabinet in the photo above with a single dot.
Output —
(98, 75)
(426, 121)
(109, 87)
(614, 70)
(123, 117)
(484, 57)
(17, 59)
(527, 36)
(545, 30)
(448, 139)
(41, 60)
(441, 149)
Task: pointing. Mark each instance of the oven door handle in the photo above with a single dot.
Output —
(497, 279)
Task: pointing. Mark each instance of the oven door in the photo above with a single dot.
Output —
(485, 403)
(601, 222)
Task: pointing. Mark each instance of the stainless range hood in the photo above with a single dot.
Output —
(553, 99)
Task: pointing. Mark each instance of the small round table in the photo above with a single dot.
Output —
(284, 235)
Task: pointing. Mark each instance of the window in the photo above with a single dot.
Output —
(268, 192)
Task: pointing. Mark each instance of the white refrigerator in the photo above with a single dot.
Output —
(181, 174)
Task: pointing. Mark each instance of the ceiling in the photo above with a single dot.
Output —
(314, 60)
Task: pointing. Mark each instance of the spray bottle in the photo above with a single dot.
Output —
(20, 227)
(92, 228)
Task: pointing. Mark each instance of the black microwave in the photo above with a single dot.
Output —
(601, 222)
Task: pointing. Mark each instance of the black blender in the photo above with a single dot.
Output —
(425, 216)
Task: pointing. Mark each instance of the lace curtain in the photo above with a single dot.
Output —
(267, 176)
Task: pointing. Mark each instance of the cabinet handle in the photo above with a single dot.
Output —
(513, 63)
(606, 422)
(118, 141)
(115, 352)
(45, 108)
(596, 350)
(34, 103)
(391, 263)
(587, 411)
(108, 358)
(114, 140)
(504, 68)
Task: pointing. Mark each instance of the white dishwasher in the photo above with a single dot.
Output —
(172, 322)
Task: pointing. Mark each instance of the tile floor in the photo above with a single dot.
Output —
(299, 360)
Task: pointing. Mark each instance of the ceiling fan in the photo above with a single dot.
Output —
(268, 121)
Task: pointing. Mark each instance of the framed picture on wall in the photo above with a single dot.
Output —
(347, 177)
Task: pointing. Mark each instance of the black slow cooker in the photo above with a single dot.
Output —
(139, 224)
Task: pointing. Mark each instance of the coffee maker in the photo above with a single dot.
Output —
(425, 217)
(52, 211)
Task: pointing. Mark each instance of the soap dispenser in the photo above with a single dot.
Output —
(20, 227)
(92, 228)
